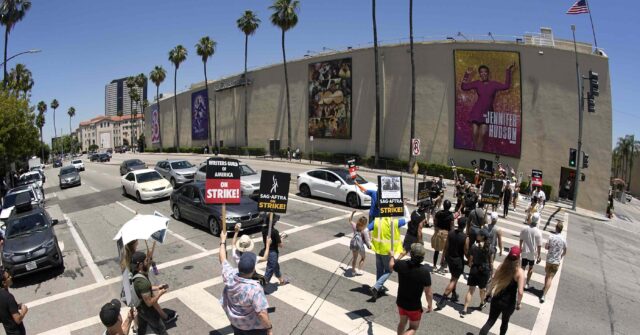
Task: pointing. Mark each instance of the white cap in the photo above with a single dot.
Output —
(494, 216)
(535, 218)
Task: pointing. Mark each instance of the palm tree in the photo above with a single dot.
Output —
(157, 77)
(177, 55)
(11, 12)
(205, 48)
(413, 83)
(248, 23)
(141, 82)
(54, 105)
(377, 80)
(130, 82)
(42, 107)
(135, 98)
(20, 80)
(284, 17)
(71, 112)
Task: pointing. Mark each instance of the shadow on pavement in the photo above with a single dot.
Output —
(37, 277)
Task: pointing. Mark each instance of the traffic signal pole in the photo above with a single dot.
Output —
(580, 112)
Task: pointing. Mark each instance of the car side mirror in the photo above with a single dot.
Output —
(54, 222)
(338, 183)
(197, 201)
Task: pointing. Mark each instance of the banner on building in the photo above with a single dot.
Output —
(330, 99)
(155, 125)
(200, 115)
(390, 199)
(223, 181)
(274, 191)
(488, 102)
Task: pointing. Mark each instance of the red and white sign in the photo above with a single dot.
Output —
(415, 147)
(353, 169)
(223, 182)
(536, 178)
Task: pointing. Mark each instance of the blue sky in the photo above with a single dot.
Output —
(86, 44)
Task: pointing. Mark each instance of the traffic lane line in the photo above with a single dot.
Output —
(95, 271)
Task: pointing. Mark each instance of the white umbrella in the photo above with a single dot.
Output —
(142, 227)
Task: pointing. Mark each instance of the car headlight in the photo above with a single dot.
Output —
(49, 245)
(144, 189)
(7, 254)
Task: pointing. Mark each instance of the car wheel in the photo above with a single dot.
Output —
(138, 198)
(214, 226)
(305, 191)
(173, 183)
(176, 212)
(353, 201)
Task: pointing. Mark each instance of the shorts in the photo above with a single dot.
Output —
(439, 239)
(413, 315)
(527, 262)
(551, 269)
(456, 266)
(479, 279)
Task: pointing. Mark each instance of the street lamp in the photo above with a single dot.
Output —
(32, 51)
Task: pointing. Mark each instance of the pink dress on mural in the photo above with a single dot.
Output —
(486, 91)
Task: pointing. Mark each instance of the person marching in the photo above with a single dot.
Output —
(494, 238)
(413, 279)
(454, 250)
(149, 312)
(12, 314)
(477, 219)
(531, 246)
(374, 210)
(480, 271)
(442, 226)
(506, 198)
(516, 194)
(383, 230)
(533, 208)
(505, 292)
(557, 249)
(245, 244)
(272, 255)
(111, 319)
(358, 241)
(414, 228)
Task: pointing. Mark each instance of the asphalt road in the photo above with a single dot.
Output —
(597, 291)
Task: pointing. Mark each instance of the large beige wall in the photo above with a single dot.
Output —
(549, 103)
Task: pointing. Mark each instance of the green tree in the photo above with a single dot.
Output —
(248, 23)
(141, 82)
(205, 48)
(377, 80)
(11, 12)
(157, 75)
(135, 98)
(54, 105)
(20, 80)
(71, 112)
(42, 108)
(18, 134)
(177, 55)
(285, 17)
(626, 148)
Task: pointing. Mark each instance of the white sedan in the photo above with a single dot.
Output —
(335, 184)
(145, 184)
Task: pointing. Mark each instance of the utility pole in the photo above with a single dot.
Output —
(580, 112)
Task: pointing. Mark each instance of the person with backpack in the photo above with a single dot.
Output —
(494, 237)
(358, 242)
(479, 273)
(476, 222)
(470, 200)
(146, 296)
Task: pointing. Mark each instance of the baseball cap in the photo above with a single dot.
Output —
(417, 250)
(244, 244)
(247, 263)
(138, 257)
(110, 312)
(494, 216)
(514, 253)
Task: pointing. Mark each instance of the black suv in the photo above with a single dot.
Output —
(103, 157)
(30, 241)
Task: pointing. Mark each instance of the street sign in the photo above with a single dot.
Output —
(415, 147)
(491, 191)
(223, 181)
(352, 168)
(536, 178)
(390, 198)
(274, 191)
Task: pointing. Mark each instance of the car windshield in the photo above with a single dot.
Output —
(76, 162)
(245, 170)
(30, 177)
(148, 176)
(67, 170)
(181, 165)
(26, 224)
(135, 162)
(344, 174)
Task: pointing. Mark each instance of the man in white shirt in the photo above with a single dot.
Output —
(557, 249)
(542, 198)
(531, 246)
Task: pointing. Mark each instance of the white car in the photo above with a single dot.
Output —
(34, 177)
(335, 184)
(145, 184)
(78, 164)
(249, 178)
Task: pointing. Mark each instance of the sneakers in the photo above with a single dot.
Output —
(463, 313)
(526, 286)
(374, 294)
(482, 305)
(542, 299)
(171, 317)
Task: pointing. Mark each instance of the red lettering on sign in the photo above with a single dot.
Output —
(222, 191)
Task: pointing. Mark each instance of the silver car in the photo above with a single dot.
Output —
(249, 178)
(176, 171)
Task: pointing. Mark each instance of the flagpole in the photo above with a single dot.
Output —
(595, 42)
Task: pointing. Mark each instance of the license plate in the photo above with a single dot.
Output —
(31, 266)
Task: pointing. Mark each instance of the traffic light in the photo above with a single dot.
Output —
(591, 103)
(593, 84)
(572, 157)
(585, 160)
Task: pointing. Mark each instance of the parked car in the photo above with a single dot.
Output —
(103, 157)
(131, 165)
(69, 176)
(335, 184)
(30, 241)
(187, 203)
(119, 150)
(145, 184)
(33, 177)
(249, 178)
(9, 202)
(78, 164)
(57, 163)
(93, 157)
(176, 171)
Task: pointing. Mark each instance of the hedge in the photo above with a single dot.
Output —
(242, 151)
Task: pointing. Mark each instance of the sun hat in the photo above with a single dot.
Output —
(244, 244)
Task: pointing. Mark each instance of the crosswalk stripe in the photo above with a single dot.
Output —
(474, 319)
(205, 305)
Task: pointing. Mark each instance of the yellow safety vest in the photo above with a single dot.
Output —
(381, 237)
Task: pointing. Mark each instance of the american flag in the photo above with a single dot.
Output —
(580, 7)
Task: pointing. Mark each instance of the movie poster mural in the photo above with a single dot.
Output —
(488, 102)
(155, 125)
(200, 115)
(330, 99)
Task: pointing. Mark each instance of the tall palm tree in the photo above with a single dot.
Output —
(135, 98)
(413, 83)
(157, 75)
(20, 80)
(177, 55)
(42, 107)
(205, 48)
(141, 82)
(54, 105)
(71, 112)
(248, 23)
(130, 82)
(11, 12)
(377, 80)
(285, 17)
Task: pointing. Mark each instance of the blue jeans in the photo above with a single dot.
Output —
(273, 267)
(382, 270)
